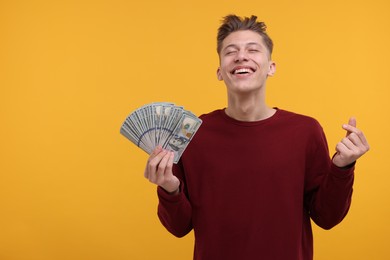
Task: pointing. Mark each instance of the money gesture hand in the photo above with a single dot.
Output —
(352, 146)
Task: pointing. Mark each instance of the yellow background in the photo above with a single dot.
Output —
(71, 187)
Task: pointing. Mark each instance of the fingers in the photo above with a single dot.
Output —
(159, 165)
(353, 133)
(154, 157)
(352, 146)
(164, 169)
(155, 152)
(352, 121)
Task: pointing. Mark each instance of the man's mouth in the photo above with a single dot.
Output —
(242, 71)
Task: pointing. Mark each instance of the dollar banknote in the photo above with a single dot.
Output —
(161, 124)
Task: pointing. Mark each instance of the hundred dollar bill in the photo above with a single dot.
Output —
(161, 123)
(183, 134)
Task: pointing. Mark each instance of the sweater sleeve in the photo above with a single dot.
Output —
(175, 211)
(328, 189)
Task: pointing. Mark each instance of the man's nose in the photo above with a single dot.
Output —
(241, 56)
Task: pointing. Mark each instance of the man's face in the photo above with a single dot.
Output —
(244, 62)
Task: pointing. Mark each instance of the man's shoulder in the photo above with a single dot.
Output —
(297, 118)
(211, 115)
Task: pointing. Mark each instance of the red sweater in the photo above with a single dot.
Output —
(249, 189)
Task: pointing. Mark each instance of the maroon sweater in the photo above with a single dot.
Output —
(249, 189)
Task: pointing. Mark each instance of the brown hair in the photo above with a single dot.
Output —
(232, 23)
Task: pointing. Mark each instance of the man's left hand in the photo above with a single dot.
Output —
(352, 146)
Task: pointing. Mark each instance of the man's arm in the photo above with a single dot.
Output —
(174, 209)
(329, 202)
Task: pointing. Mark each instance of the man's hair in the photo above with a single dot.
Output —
(232, 23)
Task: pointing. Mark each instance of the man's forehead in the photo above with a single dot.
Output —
(243, 38)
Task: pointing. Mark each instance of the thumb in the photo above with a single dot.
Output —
(351, 122)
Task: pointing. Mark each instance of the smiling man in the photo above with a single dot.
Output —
(253, 176)
(245, 65)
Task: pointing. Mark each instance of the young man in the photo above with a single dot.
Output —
(253, 176)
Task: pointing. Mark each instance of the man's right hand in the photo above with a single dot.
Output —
(159, 170)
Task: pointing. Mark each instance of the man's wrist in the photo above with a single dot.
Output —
(347, 167)
(172, 191)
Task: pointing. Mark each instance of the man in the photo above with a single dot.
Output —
(253, 175)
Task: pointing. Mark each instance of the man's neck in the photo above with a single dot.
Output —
(248, 109)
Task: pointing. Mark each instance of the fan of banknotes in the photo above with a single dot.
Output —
(164, 124)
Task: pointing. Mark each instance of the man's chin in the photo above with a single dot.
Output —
(244, 89)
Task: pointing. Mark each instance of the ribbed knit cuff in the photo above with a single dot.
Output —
(343, 172)
(164, 195)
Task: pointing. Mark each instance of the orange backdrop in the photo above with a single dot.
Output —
(71, 187)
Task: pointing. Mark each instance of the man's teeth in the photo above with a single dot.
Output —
(241, 71)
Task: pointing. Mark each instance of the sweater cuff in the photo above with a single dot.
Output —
(164, 195)
(343, 172)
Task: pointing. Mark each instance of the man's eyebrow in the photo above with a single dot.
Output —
(233, 45)
(254, 43)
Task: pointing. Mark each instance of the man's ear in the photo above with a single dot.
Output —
(219, 76)
(272, 68)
